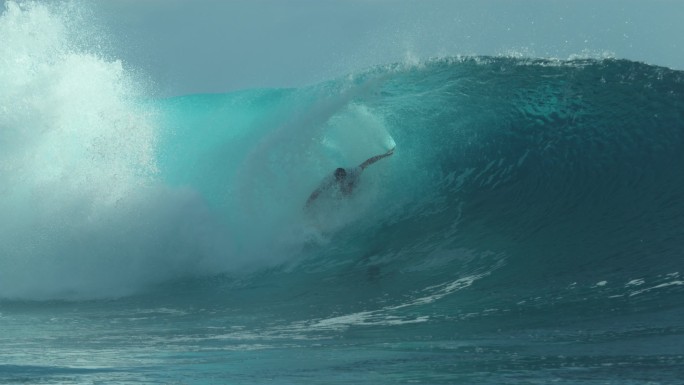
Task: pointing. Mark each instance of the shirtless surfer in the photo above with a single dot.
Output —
(345, 179)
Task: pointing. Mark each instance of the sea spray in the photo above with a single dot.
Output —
(82, 213)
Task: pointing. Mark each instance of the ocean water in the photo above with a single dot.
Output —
(528, 229)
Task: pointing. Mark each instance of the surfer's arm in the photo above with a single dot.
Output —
(324, 186)
(313, 196)
(376, 158)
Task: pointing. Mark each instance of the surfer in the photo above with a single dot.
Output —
(345, 180)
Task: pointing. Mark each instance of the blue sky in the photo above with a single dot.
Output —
(196, 46)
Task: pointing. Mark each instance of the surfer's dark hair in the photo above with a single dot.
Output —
(340, 173)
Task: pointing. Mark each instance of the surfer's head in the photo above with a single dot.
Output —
(340, 174)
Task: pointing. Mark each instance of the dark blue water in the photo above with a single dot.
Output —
(528, 229)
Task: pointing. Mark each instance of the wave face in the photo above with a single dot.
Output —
(520, 184)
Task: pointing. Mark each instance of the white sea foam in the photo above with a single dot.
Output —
(81, 211)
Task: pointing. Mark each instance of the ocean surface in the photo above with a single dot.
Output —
(528, 229)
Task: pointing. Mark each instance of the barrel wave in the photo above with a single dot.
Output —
(523, 185)
(528, 228)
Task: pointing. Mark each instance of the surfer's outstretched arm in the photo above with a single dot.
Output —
(376, 158)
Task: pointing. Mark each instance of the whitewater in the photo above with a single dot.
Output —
(528, 229)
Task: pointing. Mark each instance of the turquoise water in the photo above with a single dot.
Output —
(527, 230)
